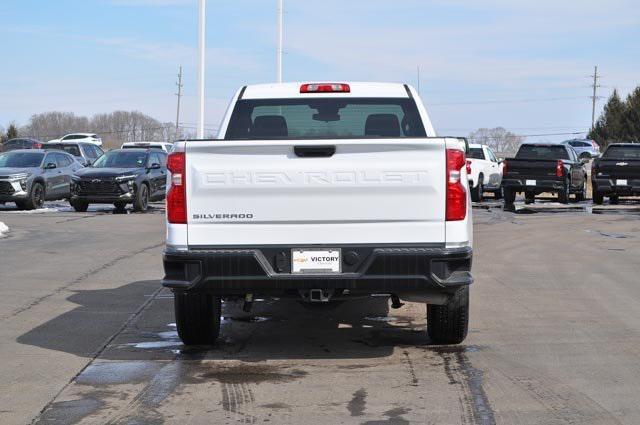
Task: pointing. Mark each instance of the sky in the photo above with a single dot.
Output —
(523, 65)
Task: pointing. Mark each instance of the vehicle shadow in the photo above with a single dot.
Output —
(112, 325)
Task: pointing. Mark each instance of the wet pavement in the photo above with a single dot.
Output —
(554, 337)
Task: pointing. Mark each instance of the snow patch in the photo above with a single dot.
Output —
(4, 229)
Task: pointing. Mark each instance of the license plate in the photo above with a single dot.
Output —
(530, 182)
(621, 182)
(316, 261)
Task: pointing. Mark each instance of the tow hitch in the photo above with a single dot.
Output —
(317, 295)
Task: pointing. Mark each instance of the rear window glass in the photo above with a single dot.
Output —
(324, 118)
(542, 152)
(475, 153)
(70, 149)
(622, 152)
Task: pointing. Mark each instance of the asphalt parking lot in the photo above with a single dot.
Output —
(88, 336)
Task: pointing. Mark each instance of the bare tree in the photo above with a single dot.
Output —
(115, 128)
(498, 139)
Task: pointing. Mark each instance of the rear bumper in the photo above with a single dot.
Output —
(366, 270)
(610, 187)
(542, 185)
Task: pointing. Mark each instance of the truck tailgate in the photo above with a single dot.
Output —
(531, 167)
(619, 168)
(368, 192)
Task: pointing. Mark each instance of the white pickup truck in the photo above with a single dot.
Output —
(485, 172)
(321, 192)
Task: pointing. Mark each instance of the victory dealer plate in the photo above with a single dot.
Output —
(316, 261)
(621, 182)
(530, 182)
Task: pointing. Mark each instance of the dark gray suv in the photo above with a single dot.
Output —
(29, 177)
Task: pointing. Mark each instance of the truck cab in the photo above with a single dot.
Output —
(321, 192)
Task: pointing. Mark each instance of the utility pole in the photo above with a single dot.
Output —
(280, 40)
(179, 94)
(201, 59)
(418, 81)
(594, 98)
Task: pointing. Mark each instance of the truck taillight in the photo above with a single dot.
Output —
(504, 167)
(468, 166)
(177, 194)
(456, 194)
(559, 169)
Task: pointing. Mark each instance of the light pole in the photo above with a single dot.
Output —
(201, 59)
(280, 40)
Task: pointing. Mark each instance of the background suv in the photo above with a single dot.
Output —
(121, 177)
(29, 177)
(20, 143)
(85, 153)
(584, 148)
(80, 137)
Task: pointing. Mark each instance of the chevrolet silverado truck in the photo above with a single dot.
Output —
(616, 173)
(544, 168)
(321, 192)
(486, 172)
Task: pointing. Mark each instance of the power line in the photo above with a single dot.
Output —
(484, 102)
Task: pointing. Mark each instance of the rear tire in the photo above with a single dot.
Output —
(120, 206)
(449, 323)
(141, 203)
(614, 200)
(80, 206)
(598, 198)
(509, 196)
(477, 192)
(197, 317)
(498, 194)
(563, 195)
(582, 195)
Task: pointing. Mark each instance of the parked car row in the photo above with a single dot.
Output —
(29, 177)
(556, 168)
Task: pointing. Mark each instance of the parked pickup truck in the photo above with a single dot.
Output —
(486, 172)
(617, 173)
(544, 167)
(321, 192)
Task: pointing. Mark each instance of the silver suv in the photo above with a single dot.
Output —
(585, 148)
(29, 177)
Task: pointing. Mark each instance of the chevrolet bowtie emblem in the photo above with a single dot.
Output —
(95, 181)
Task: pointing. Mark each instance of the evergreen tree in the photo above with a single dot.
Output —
(632, 116)
(612, 125)
(12, 132)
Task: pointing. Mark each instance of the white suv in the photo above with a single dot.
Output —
(484, 172)
(321, 192)
(92, 138)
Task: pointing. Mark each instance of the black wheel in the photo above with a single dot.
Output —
(529, 197)
(448, 323)
(509, 196)
(35, 199)
(120, 206)
(477, 192)
(563, 195)
(614, 200)
(598, 198)
(80, 206)
(582, 195)
(197, 318)
(141, 203)
(21, 205)
(498, 194)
